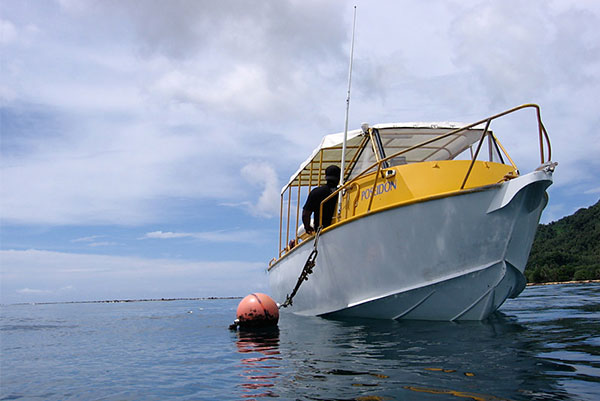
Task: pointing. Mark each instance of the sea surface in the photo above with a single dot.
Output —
(544, 345)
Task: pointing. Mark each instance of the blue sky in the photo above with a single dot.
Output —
(144, 144)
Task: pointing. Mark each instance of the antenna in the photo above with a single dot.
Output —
(348, 101)
(343, 166)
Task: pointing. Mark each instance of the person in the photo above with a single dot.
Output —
(318, 195)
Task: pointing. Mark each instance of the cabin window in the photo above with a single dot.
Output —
(364, 160)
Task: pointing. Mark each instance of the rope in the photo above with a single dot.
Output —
(306, 271)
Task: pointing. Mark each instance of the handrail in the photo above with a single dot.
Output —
(544, 139)
(541, 128)
(280, 224)
(483, 135)
(355, 201)
(374, 185)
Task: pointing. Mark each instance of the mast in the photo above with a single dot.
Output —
(343, 161)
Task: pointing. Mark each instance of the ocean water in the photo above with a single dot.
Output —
(544, 345)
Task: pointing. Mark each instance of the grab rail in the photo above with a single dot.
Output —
(543, 135)
(544, 139)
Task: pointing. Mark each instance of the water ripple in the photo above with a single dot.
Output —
(544, 345)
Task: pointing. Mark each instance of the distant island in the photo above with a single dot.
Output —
(567, 249)
(114, 301)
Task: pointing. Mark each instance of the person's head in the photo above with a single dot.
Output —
(332, 175)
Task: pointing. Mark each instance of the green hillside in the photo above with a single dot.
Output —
(567, 249)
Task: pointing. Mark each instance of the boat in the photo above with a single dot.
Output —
(434, 222)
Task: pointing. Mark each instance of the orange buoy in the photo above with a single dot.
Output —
(257, 310)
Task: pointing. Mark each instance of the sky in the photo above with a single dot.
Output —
(144, 144)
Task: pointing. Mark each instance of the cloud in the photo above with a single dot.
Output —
(228, 56)
(522, 55)
(242, 88)
(239, 236)
(167, 235)
(263, 175)
(32, 291)
(91, 241)
(504, 49)
(91, 238)
(36, 276)
(8, 32)
(133, 108)
(170, 109)
(37, 292)
(115, 175)
(102, 243)
(593, 191)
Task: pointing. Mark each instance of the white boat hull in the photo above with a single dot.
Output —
(453, 258)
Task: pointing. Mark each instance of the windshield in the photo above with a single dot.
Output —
(395, 140)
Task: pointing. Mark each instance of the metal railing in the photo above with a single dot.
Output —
(380, 165)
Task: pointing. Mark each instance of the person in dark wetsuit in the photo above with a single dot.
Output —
(317, 195)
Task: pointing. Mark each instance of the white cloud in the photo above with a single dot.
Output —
(242, 88)
(130, 133)
(131, 107)
(38, 292)
(504, 49)
(35, 276)
(8, 32)
(102, 243)
(237, 236)
(91, 238)
(91, 241)
(264, 176)
(167, 235)
(117, 175)
(593, 191)
(32, 291)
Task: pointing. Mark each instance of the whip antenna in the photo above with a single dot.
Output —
(343, 166)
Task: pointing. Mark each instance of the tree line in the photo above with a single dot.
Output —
(567, 249)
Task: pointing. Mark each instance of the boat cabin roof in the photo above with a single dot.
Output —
(395, 137)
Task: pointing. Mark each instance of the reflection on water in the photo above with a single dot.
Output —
(260, 364)
(415, 360)
(546, 350)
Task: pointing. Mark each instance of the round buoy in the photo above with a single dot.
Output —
(257, 310)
